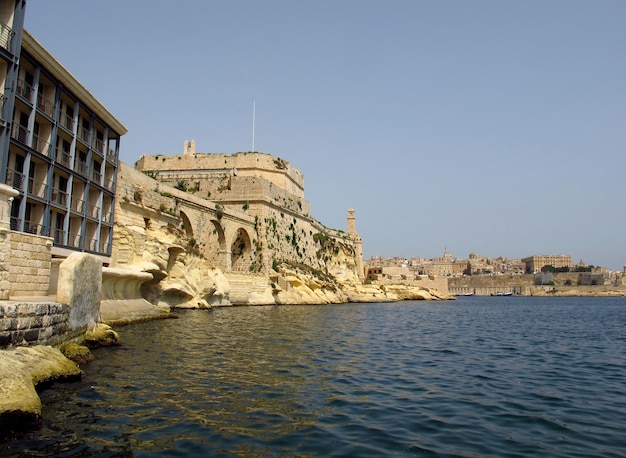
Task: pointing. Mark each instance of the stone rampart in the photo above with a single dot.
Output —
(273, 169)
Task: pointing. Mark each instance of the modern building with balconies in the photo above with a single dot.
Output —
(59, 146)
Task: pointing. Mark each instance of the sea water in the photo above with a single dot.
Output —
(475, 377)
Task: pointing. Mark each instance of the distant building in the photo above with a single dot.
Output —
(59, 145)
(535, 263)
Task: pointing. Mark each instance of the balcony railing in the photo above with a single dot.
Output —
(74, 241)
(94, 212)
(96, 176)
(45, 105)
(24, 89)
(33, 228)
(98, 145)
(6, 37)
(93, 245)
(14, 179)
(3, 99)
(66, 121)
(63, 157)
(108, 183)
(42, 145)
(20, 133)
(83, 134)
(111, 155)
(107, 218)
(58, 235)
(59, 197)
(80, 167)
(37, 188)
(77, 204)
(104, 247)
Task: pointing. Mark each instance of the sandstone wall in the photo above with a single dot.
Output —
(24, 323)
(29, 264)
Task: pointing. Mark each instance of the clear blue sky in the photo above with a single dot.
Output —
(490, 126)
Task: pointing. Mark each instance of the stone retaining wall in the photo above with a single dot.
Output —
(29, 264)
(34, 323)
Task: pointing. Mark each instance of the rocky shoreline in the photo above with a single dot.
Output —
(24, 370)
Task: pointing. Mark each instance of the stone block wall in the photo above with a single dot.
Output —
(33, 323)
(29, 264)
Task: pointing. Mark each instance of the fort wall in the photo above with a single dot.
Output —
(273, 169)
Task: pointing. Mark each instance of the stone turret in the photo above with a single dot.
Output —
(358, 243)
(189, 148)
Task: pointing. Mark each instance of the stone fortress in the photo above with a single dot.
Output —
(242, 218)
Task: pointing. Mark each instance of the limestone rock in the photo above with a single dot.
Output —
(80, 286)
(21, 370)
(102, 336)
(77, 353)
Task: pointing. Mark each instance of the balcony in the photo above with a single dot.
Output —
(107, 218)
(6, 37)
(20, 133)
(96, 176)
(59, 197)
(24, 89)
(41, 145)
(63, 157)
(45, 105)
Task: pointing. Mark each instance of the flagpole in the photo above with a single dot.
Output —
(253, 122)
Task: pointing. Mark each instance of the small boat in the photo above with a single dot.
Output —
(500, 293)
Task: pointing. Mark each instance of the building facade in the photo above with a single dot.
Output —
(59, 146)
(535, 263)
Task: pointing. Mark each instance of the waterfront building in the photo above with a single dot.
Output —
(59, 146)
(535, 263)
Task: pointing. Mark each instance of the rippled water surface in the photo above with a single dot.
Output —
(475, 377)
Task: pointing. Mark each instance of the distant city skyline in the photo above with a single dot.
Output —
(486, 126)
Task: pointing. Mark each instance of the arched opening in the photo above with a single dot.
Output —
(187, 227)
(241, 251)
(213, 244)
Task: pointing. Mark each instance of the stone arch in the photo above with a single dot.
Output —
(221, 238)
(213, 243)
(241, 249)
(186, 222)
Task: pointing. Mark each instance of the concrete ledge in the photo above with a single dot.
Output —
(122, 312)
